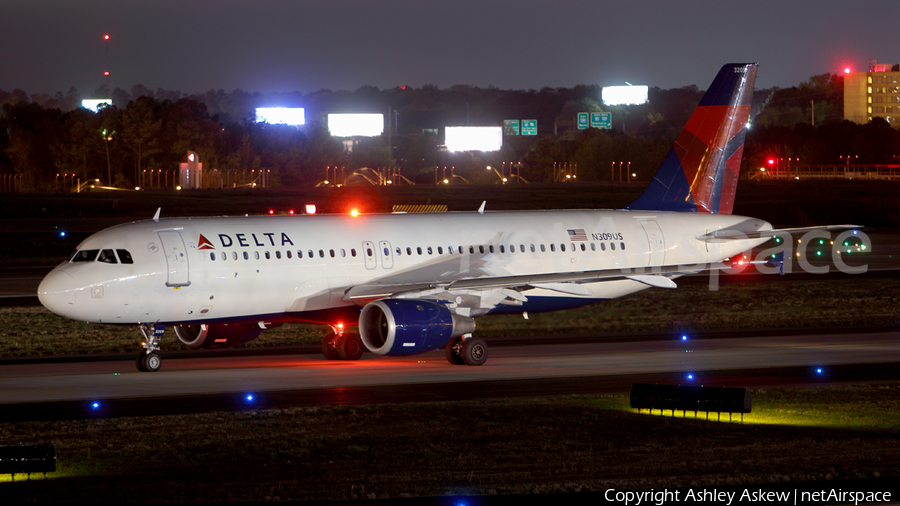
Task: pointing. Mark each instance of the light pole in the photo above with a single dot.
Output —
(108, 136)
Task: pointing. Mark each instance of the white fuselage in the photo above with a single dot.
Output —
(302, 268)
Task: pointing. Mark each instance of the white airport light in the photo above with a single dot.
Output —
(94, 104)
(281, 115)
(473, 138)
(624, 95)
(356, 125)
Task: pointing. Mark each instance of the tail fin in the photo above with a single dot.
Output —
(700, 172)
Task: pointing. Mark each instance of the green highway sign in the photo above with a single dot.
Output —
(601, 120)
(583, 120)
(529, 127)
(511, 126)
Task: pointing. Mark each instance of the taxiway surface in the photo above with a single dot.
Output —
(539, 370)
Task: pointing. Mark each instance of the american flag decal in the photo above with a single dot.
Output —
(577, 234)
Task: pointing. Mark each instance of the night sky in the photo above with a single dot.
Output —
(306, 45)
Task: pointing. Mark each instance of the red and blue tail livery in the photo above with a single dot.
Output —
(700, 173)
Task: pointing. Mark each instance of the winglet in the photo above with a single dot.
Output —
(156, 216)
(481, 209)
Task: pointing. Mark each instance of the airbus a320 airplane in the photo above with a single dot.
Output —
(416, 282)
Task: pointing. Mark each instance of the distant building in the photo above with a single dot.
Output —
(873, 94)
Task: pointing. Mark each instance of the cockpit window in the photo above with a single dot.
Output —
(107, 256)
(125, 256)
(87, 255)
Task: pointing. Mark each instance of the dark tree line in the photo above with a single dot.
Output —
(42, 135)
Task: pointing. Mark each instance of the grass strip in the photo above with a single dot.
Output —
(568, 444)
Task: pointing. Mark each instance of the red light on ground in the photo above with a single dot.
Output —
(846, 70)
(106, 37)
(271, 211)
(354, 212)
(106, 73)
(771, 161)
(291, 211)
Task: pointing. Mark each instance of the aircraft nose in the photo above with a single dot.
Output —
(57, 292)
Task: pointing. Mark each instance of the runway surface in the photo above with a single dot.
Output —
(67, 390)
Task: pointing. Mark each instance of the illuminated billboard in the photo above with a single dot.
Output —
(281, 115)
(624, 95)
(473, 138)
(356, 125)
(94, 104)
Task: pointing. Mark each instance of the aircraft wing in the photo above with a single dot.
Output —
(565, 282)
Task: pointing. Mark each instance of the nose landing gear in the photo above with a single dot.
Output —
(149, 359)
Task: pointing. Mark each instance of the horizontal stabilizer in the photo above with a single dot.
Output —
(736, 235)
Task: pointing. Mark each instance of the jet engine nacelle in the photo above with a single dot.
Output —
(399, 327)
(216, 336)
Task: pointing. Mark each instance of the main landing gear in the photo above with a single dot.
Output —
(149, 359)
(467, 350)
(340, 346)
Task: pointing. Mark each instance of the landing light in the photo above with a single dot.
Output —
(310, 209)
